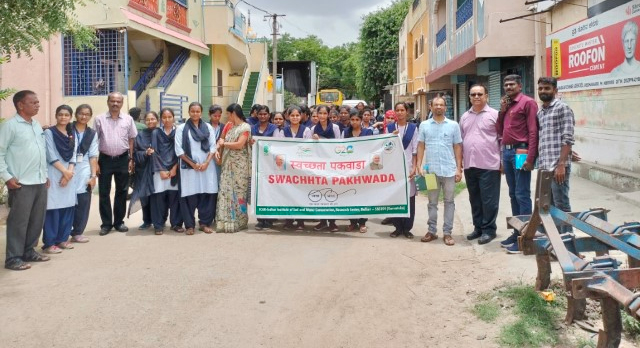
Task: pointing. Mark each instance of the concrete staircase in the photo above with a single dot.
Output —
(249, 95)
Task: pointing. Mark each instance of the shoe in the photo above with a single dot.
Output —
(105, 231)
(386, 221)
(429, 237)
(268, 224)
(486, 238)
(65, 245)
(260, 226)
(288, 226)
(178, 229)
(144, 226)
(408, 235)
(352, 228)
(300, 226)
(394, 234)
(333, 227)
(513, 249)
(474, 235)
(448, 240)
(17, 265)
(513, 238)
(320, 226)
(121, 228)
(52, 250)
(79, 239)
(159, 231)
(35, 256)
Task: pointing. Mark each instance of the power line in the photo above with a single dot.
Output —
(257, 8)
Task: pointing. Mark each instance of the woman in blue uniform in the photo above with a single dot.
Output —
(61, 196)
(195, 144)
(85, 170)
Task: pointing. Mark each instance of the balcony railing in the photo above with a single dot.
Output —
(149, 7)
(177, 14)
(464, 12)
(441, 55)
(441, 35)
(464, 38)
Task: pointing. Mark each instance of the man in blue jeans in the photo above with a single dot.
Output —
(518, 127)
(557, 125)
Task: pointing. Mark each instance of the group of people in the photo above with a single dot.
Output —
(50, 174)
(487, 143)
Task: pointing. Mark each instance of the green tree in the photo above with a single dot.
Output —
(24, 25)
(378, 49)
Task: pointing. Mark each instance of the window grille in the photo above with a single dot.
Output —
(95, 72)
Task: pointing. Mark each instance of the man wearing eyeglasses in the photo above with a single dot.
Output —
(518, 128)
(481, 159)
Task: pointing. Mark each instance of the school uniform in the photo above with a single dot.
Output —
(332, 131)
(165, 198)
(268, 132)
(61, 201)
(198, 190)
(409, 135)
(86, 150)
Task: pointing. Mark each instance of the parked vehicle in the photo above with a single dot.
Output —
(329, 96)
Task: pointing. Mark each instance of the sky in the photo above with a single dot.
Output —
(333, 21)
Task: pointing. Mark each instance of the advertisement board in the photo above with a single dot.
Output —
(599, 52)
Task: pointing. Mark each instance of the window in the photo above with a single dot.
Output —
(220, 85)
(421, 44)
(95, 72)
(416, 3)
(415, 50)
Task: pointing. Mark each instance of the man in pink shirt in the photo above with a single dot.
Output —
(116, 133)
(518, 128)
(481, 157)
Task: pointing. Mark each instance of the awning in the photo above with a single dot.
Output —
(459, 62)
(146, 26)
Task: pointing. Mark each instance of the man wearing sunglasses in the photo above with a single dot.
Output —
(481, 159)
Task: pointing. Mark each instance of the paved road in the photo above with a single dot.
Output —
(269, 288)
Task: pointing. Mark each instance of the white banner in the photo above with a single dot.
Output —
(330, 178)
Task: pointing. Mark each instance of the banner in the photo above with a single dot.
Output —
(599, 52)
(330, 178)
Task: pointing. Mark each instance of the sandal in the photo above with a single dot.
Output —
(428, 237)
(334, 228)
(363, 229)
(408, 235)
(394, 234)
(190, 232)
(288, 226)
(17, 265)
(206, 229)
(351, 228)
(178, 229)
(159, 232)
(320, 226)
(52, 250)
(65, 245)
(79, 239)
(448, 240)
(36, 257)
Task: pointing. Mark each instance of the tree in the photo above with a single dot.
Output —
(378, 49)
(24, 25)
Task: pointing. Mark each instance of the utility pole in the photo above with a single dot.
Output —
(274, 45)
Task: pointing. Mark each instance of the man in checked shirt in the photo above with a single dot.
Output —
(555, 140)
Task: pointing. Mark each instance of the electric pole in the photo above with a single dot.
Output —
(274, 45)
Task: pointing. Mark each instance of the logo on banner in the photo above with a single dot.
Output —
(344, 149)
(389, 146)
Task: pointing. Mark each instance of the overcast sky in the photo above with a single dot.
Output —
(334, 21)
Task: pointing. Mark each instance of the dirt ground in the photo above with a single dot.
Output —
(269, 288)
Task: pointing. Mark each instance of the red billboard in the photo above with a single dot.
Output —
(599, 52)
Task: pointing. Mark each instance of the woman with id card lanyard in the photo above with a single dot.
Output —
(86, 167)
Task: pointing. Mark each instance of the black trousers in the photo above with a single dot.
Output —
(484, 196)
(25, 221)
(161, 204)
(403, 225)
(81, 215)
(206, 205)
(118, 169)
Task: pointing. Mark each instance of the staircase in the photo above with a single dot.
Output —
(148, 75)
(174, 69)
(249, 95)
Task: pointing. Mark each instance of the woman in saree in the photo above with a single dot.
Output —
(232, 211)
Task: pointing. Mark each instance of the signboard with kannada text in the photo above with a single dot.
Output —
(599, 52)
(330, 178)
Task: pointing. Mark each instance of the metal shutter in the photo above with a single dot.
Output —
(495, 90)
